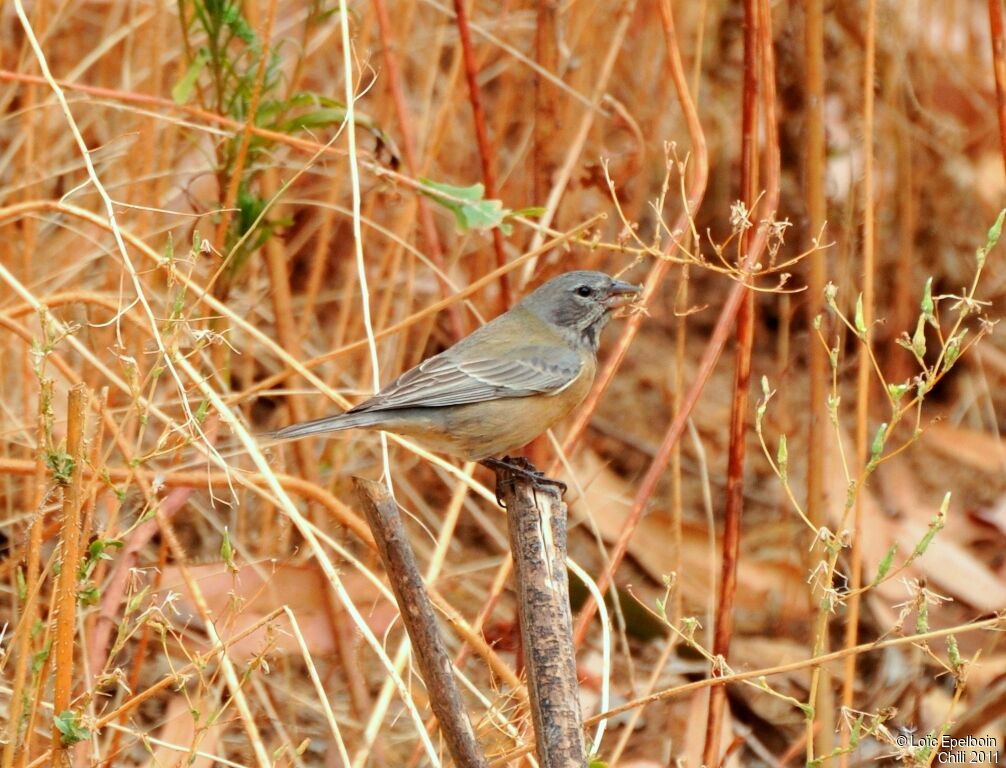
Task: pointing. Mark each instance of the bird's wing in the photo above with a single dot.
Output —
(447, 379)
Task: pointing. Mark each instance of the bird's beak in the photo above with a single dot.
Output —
(621, 293)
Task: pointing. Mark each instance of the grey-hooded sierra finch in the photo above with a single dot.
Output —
(502, 385)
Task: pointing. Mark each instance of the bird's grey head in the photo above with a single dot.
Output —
(580, 303)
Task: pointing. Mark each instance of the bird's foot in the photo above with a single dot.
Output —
(510, 466)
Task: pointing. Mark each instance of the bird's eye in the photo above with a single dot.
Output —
(584, 290)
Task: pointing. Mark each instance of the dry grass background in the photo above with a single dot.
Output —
(174, 596)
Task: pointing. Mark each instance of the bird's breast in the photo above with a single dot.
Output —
(499, 427)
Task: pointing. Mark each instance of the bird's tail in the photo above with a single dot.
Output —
(335, 423)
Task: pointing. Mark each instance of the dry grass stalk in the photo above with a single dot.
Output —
(181, 224)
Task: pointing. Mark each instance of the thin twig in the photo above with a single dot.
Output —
(482, 139)
(999, 66)
(109, 209)
(22, 641)
(420, 621)
(994, 623)
(616, 39)
(65, 597)
(820, 694)
(864, 367)
(696, 191)
(754, 40)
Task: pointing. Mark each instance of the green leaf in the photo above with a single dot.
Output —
(88, 595)
(830, 293)
(39, 658)
(227, 551)
(61, 464)
(919, 338)
(239, 26)
(877, 447)
(857, 729)
(953, 350)
(309, 99)
(995, 231)
(922, 618)
(471, 210)
(319, 118)
(98, 547)
(935, 526)
(179, 304)
(927, 305)
(897, 391)
(860, 318)
(945, 504)
(250, 207)
(885, 564)
(136, 600)
(68, 724)
(531, 212)
(954, 654)
(182, 91)
(661, 604)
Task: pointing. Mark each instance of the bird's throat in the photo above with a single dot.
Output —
(591, 335)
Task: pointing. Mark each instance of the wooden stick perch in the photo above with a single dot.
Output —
(420, 622)
(536, 518)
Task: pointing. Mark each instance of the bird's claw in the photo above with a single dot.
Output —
(518, 465)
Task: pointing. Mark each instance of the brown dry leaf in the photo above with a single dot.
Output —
(239, 600)
(760, 652)
(695, 734)
(179, 729)
(994, 515)
(984, 716)
(954, 569)
(883, 530)
(898, 489)
(772, 591)
(992, 359)
(990, 669)
(981, 450)
(947, 564)
(937, 707)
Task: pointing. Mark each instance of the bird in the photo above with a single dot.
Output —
(498, 388)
